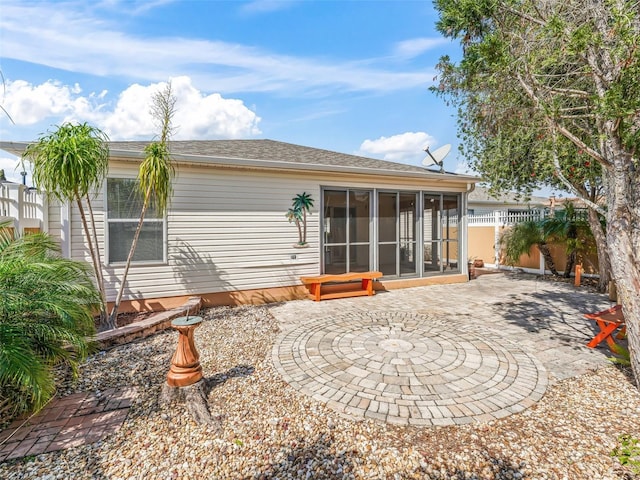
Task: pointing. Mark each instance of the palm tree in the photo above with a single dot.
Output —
(519, 239)
(302, 204)
(294, 215)
(154, 179)
(46, 318)
(566, 226)
(70, 164)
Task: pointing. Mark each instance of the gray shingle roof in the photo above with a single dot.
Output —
(481, 195)
(270, 154)
(271, 150)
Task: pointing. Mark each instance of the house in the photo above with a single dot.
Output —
(481, 203)
(226, 238)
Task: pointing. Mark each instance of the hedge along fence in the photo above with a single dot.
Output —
(485, 231)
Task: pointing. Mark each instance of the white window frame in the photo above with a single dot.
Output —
(108, 221)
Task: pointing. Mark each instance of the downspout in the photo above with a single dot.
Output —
(465, 243)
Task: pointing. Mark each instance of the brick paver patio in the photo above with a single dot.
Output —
(442, 354)
(66, 422)
(405, 368)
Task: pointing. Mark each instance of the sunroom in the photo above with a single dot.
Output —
(401, 233)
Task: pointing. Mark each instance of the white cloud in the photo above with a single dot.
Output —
(417, 46)
(210, 116)
(12, 168)
(131, 7)
(79, 41)
(404, 147)
(28, 104)
(198, 115)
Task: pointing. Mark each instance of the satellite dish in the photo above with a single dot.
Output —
(437, 156)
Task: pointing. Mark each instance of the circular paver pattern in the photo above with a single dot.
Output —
(407, 368)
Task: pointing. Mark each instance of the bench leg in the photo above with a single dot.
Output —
(367, 284)
(315, 291)
(606, 329)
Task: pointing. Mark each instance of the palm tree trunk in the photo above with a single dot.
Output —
(571, 261)
(548, 259)
(304, 226)
(300, 241)
(101, 287)
(114, 312)
(96, 262)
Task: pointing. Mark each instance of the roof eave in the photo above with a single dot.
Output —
(18, 148)
(295, 166)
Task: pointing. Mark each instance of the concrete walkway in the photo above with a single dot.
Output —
(439, 355)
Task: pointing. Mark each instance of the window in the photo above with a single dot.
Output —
(124, 204)
(397, 233)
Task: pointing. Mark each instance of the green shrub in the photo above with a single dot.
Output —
(628, 453)
(46, 318)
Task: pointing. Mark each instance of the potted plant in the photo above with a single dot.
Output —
(302, 204)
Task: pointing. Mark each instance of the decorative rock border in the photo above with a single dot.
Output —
(156, 322)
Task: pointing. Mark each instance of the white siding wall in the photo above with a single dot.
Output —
(54, 222)
(79, 249)
(227, 231)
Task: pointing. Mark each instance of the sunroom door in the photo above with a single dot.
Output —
(397, 234)
(347, 231)
(441, 233)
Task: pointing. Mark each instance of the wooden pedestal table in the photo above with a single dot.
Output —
(185, 365)
(185, 383)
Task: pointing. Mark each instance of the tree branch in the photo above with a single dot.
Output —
(552, 123)
(569, 185)
(522, 15)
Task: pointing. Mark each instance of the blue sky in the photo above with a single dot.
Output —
(350, 76)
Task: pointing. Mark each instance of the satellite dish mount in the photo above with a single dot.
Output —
(437, 156)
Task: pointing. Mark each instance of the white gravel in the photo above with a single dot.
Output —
(269, 430)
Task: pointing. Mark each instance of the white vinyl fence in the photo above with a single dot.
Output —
(24, 208)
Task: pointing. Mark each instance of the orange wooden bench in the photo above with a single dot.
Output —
(314, 284)
(608, 321)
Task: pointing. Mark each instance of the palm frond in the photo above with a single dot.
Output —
(46, 318)
(70, 162)
(519, 239)
(155, 175)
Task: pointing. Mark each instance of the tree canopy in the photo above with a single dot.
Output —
(548, 94)
(540, 88)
